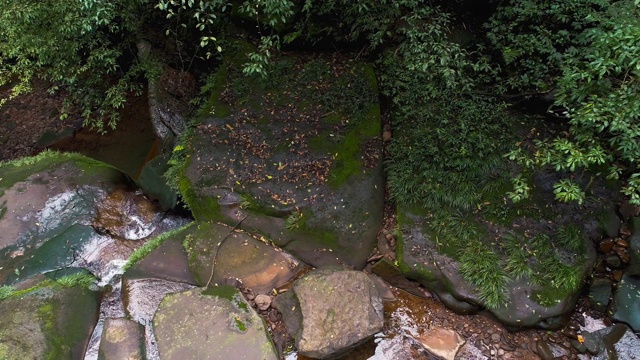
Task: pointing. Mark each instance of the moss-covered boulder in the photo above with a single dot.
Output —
(231, 329)
(296, 158)
(217, 253)
(50, 322)
(53, 198)
(526, 266)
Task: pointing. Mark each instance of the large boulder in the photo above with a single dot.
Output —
(49, 322)
(525, 264)
(330, 311)
(50, 197)
(231, 329)
(297, 159)
(218, 253)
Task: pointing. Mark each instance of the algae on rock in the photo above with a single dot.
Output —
(304, 142)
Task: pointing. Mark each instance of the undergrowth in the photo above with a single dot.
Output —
(551, 262)
(440, 159)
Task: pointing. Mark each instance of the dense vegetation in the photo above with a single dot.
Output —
(450, 80)
(581, 54)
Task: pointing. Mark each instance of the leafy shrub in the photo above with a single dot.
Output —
(531, 38)
(444, 156)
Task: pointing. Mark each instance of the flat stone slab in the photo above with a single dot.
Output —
(216, 323)
(444, 343)
(258, 265)
(330, 311)
(121, 339)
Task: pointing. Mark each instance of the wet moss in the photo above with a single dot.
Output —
(151, 245)
(347, 150)
(215, 106)
(229, 293)
(203, 208)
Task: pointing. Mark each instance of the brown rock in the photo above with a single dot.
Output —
(386, 136)
(544, 350)
(442, 342)
(383, 245)
(622, 243)
(263, 302)
(606, 245)
(616, 275)
(623, 255)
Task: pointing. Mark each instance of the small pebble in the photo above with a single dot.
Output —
(263, 302)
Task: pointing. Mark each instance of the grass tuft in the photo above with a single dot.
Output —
(151, 245)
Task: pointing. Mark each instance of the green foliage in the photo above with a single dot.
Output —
(568, 191)
(599, 86)
(6, 291)
(73, 46)
(532, 38)
(570, 237)
(293, 221)
(481, 266)
(517, 263)
(449, 152)
(82, 279)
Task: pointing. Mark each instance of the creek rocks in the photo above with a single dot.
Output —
(294, 162)
(231, 329)
(626, 302)
(218, 252)
(48, 322)
(50, 197)
(443, 343)
(613, 342)
(330, 311)
(128, 215)
(121, 339)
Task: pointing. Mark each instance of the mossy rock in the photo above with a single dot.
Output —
(50, 322)
(121, 339)
(49, 197)
(527, 275)
(298, 157)
(154, 185)
(231, 329)
(237, 255)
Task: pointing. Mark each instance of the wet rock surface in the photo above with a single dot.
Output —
(51, 322)
(330, 311)
(231, 329)
(122, 339)
(443, 343)
(218, 252)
